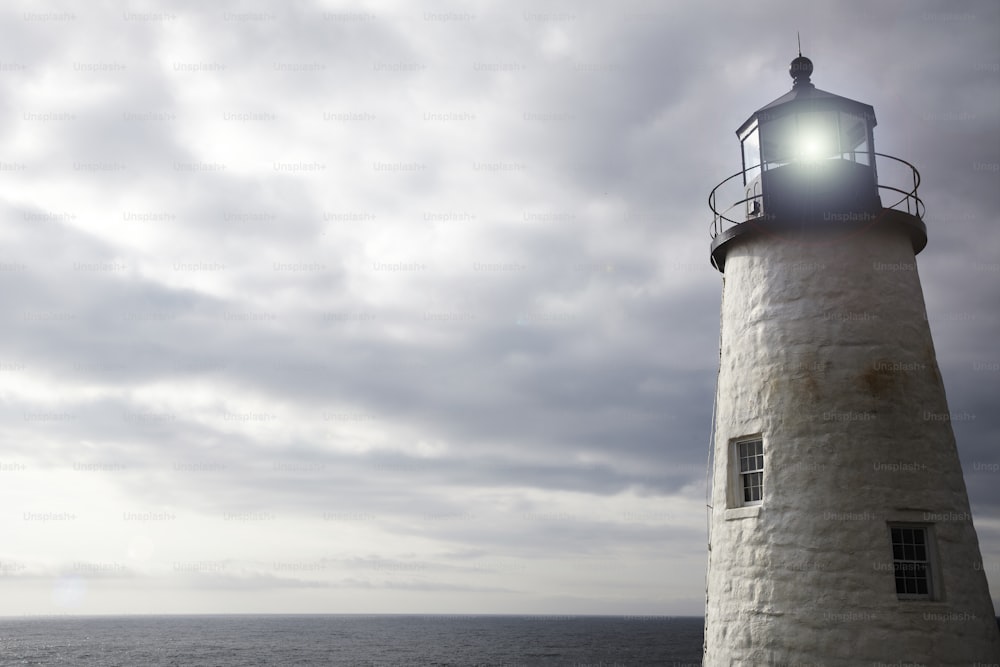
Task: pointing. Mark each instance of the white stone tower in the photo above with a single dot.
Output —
(840, 529)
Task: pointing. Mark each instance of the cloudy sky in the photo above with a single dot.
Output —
(402, 307)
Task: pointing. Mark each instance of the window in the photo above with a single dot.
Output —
(750, 457)
(854, 137)
(775, 142)
(804, 135)
(751, 154)
(911, 562)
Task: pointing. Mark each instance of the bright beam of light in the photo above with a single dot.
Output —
(812, 146)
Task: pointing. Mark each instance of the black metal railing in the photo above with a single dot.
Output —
(753, 205)
(914, 205)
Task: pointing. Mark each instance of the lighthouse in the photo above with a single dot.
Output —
(840, 531)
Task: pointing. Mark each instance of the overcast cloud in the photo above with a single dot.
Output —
(402, 307)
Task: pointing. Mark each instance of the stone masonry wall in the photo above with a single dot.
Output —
(826, 352)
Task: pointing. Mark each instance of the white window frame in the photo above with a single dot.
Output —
(737, 496)
(930, 560)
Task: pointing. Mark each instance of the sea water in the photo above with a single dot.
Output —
(353, 640)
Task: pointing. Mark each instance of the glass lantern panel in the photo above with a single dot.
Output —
(777, 141)
(854, 138)
(817, 136)
(802, 136)
(751, 155)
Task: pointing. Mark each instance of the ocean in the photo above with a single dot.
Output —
(352, 640)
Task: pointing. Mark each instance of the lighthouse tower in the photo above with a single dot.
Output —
(840, 529)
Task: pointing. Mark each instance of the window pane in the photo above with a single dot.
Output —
(853, 132)
(752, 483)
(817, 135)
(807, 135)
(751, 148)
(911, 566)
(861, 154)
(777, 140)
(750, 454)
